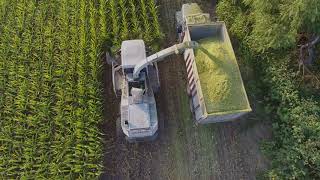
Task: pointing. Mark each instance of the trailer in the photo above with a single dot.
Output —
(197, 26)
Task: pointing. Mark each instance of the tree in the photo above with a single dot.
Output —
(277, 23)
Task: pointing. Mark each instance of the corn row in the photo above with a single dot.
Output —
(82, 89)
(34, 124)
(94, 106)
(5, 17)
(45, 140)
(135, 25)
(68, 155)
(12, 143)
(61, 87)
(15, 95)
(145, 19)
(124, 20)
(113, 6)
(155, 20)
(103, 31)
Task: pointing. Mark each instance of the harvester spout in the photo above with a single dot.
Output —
(175, 49)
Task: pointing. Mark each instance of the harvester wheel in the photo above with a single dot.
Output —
(156, 89)
(109, 59)
(120, 134)
(154, 78)
(118, 93)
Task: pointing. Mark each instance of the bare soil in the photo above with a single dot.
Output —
(183, 150)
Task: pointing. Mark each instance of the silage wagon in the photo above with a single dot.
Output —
(227, 103)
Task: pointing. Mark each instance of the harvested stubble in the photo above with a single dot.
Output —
(220, 77)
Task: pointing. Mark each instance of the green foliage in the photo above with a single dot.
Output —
(134, 19)
(235, 18)
(271, 32)
(145, 19)
(50, 89)
(124, 20)
(294, 150)
(268, 31)
(102, 20)
(227, 11)
(155, 20)
(301, 15)
(136, 29)
(113, 8)
(276, 22)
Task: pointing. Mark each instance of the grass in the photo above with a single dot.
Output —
(220, 77)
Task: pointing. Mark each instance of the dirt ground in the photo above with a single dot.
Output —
(183, 150)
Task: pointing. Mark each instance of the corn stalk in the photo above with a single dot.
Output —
(104, 33)
(135, 24)
(145, 19)
(155, 22)
(114, 20)
(124, 23)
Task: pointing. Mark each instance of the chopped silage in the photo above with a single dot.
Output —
(220, 78)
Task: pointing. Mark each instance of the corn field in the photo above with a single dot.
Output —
(50, 81)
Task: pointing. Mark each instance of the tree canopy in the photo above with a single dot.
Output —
(275, 23)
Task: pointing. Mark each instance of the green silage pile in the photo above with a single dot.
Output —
(220, 77)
